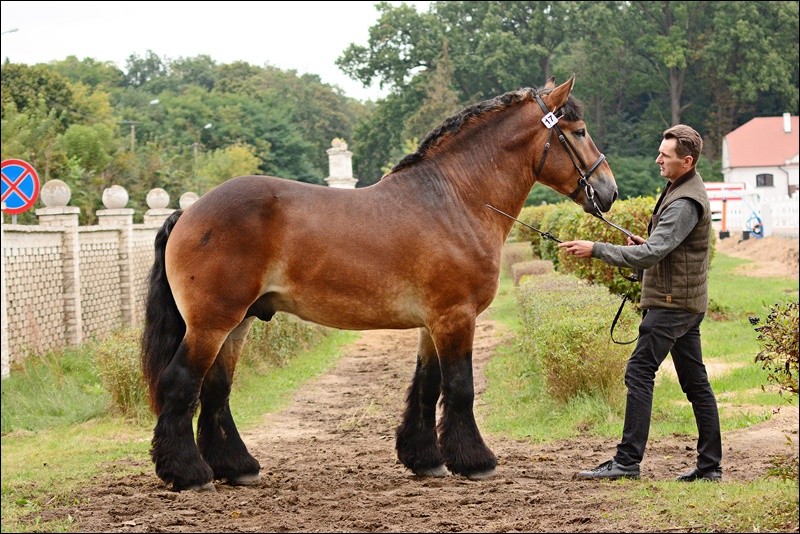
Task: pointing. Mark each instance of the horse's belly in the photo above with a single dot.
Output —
(350, 308)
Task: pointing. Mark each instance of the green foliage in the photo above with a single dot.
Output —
(225, 163)
(53, 389)
(117, 359)
(271, 344)
(779, 337)
(513, 253)
(565, 325)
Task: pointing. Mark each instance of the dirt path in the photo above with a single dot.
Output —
(329, 465)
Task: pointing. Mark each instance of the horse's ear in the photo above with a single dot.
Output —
(551, 83)
(558, 96)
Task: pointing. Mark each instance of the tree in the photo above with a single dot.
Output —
(90, 72)
(440, 101)
(140, 71)
(225, 163)
(36, 87)
(752, 51)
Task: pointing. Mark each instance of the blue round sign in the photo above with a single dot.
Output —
(20, 186)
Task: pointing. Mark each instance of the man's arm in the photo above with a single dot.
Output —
(678, 219)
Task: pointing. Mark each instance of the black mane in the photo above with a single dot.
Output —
(572, 110)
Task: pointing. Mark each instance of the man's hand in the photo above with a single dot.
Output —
(635, 240)
(581, 249)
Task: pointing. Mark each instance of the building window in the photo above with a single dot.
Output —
(764, 180)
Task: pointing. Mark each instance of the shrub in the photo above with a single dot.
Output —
(271, 344)
(530, 268)
(779, 340)
(514, 253)
(268, 345)
(566, 324)
(117, 359)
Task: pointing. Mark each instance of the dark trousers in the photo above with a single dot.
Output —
(661, 332)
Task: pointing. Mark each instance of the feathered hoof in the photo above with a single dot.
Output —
(482, 475)
(245, 480)
(438, 472)
(208, 486)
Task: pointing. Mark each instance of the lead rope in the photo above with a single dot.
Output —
(548, 235)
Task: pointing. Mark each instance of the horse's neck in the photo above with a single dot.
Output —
(494, 169)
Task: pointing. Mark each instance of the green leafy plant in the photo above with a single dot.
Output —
(117, 362)
(779, 341)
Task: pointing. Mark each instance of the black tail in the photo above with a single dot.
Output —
(163, 325)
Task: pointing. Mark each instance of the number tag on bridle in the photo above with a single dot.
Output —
(550, 120)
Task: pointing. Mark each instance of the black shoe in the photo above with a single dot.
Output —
(611, 470)
(709, 475)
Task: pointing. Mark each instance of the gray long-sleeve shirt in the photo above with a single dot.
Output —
(678, 219)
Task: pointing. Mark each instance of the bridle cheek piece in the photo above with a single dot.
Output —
(550, 120)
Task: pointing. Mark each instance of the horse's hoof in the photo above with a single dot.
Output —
(481, 475)
(245, 480)
(438, 471)
(208, 486)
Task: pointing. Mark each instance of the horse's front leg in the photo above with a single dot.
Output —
(417, 446)
(460, 441)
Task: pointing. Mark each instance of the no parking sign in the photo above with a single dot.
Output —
(20, 186)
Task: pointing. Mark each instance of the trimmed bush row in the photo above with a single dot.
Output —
(566, 335)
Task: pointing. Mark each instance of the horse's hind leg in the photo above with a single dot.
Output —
(416, 444)
(174, 452)
(460, 440)
(217, 437)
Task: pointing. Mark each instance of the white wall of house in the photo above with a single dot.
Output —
(782, 178)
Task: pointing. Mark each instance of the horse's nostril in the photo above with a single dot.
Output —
(614, 196)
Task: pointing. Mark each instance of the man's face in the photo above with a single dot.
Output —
(672, 166)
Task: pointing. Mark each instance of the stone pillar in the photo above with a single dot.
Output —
(118, 216)
(5, 360)
(157, 201)
(340, 162)
(55, 195)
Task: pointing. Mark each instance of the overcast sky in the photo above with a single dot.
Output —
(303, 36)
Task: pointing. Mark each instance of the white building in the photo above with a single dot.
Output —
(760, 173)
(763, 155)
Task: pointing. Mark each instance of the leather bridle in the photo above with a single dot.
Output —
(550, 120)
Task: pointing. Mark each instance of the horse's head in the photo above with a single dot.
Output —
(568, 160)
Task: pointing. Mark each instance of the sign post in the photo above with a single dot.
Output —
(20, 187)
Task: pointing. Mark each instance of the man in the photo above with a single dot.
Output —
(674, 301)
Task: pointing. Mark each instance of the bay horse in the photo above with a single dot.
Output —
(418, 249)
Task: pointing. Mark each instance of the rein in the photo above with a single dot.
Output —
(548, 235)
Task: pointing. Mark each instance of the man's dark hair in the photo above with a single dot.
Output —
(689, 142)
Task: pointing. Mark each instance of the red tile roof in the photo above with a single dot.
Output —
(762, 142)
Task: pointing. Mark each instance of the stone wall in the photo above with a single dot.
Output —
(64, 284)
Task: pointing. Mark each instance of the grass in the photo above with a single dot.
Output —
(515, 405)
(60, 435)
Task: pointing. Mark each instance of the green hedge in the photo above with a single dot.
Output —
(567, 222)
(566, 334)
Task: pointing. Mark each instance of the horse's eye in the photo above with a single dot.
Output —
(580, 133)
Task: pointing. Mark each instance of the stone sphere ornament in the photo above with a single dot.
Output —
(55, 194)
(157, 199)
(115, 197)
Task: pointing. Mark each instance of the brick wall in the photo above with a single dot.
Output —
(64, 284)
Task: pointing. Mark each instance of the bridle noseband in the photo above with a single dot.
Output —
(550, 120)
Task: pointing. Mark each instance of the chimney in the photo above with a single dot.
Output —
(787, 123)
